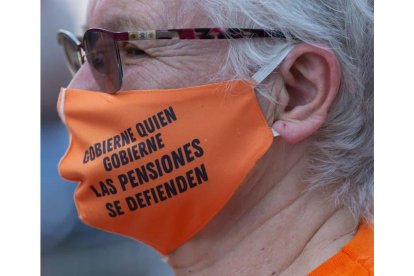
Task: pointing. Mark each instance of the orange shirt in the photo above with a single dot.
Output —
(356, 258)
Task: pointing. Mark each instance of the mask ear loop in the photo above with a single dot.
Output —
(266, 70)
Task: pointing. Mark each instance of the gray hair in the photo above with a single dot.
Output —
(341, 152)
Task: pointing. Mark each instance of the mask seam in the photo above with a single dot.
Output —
(69, 149)
(62, 105)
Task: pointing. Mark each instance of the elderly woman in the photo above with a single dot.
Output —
(234, 137)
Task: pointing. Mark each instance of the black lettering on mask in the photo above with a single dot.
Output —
(114, 209)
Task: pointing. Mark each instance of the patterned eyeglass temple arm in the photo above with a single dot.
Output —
(204, 33)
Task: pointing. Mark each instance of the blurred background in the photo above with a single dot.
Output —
(68, 246)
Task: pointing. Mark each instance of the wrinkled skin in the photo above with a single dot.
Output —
(272, 225)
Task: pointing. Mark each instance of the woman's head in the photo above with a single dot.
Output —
(321, 93)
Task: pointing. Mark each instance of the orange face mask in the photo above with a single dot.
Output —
(158, 165)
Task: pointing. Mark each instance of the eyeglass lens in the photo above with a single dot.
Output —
(73, 56)
(103, 57)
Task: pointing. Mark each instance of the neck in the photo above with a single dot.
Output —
(273, 225)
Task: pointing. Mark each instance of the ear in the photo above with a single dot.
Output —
(311, 78)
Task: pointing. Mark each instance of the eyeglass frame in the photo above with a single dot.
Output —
(170, 34)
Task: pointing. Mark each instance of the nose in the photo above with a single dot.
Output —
(83, 79)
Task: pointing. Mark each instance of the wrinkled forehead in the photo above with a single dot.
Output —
(126, 15)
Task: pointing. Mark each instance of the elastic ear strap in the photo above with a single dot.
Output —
(275, 133)
(266, 70)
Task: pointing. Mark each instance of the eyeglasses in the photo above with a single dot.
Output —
(100, 48)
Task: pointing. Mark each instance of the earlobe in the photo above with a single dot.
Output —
(295, 131)
(311, 78)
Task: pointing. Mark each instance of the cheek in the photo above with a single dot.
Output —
(163, 74)
(175, 66)
(83, 79)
